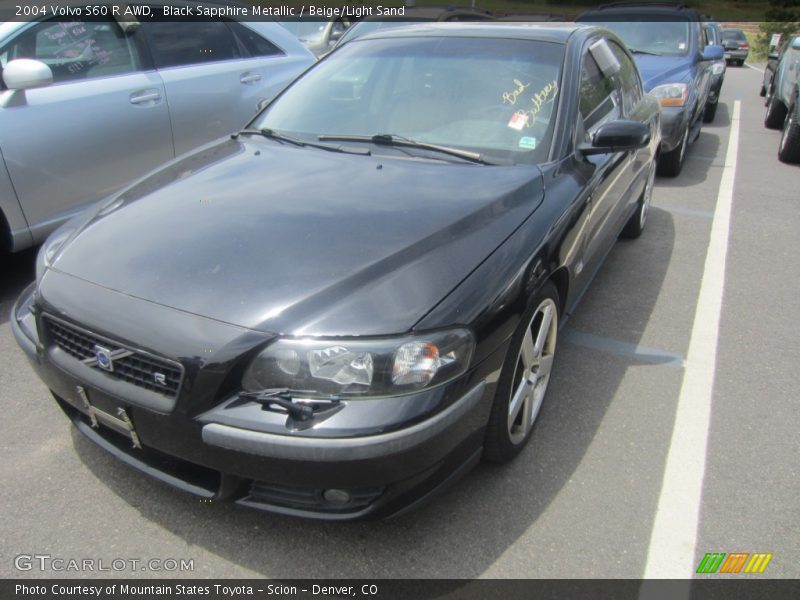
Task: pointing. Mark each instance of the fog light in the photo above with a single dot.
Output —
(337, 497)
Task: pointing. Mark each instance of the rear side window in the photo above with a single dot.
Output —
(75, 50)
(252, 42)
(179, 44)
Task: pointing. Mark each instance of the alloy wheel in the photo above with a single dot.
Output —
(684, 143)
(787, 126)
(532, 373)
(647, 196)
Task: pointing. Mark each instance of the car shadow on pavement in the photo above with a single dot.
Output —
(466, 530)
(16, 272)
(702, 157)
(722, 119)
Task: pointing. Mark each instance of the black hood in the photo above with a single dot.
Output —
(302, 241)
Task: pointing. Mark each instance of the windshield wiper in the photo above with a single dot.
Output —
(280, 137)
(639, 51)
(387, 139)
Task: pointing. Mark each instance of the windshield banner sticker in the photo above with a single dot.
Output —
(511, 97)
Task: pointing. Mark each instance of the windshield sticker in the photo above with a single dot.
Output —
(511, 97)
(518, 120)
(540, 99)
(527, 143)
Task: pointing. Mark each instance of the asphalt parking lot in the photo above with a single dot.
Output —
(582, 498)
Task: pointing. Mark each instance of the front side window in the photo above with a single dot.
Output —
(76, 50)
(497, 97)
(254, 44)
(630, 84)
(178, 44)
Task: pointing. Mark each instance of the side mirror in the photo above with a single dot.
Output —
(26, 74)
(713, 52)
(773, 56)
(796, 43)
(618, 136)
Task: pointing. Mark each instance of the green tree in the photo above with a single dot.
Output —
(783, 17)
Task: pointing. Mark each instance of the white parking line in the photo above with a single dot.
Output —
(671, 552)
(754, 68)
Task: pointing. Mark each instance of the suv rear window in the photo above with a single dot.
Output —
(730, 35)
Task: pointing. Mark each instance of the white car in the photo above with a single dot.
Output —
(87, 106)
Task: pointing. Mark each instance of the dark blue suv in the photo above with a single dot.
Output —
(668, 44)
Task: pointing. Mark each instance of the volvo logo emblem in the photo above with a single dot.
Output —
(104, 360)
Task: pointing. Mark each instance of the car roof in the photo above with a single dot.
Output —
(545, 32)
(656, 11)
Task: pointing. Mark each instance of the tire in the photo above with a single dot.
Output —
(636, 224)
(763, 92)
(524, 377)
(740, 62)
(776, 113)
(710, 112)
(789, 149)
(670, 163)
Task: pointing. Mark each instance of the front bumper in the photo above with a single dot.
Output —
(715, 88)
(674, 121)
(387, 455)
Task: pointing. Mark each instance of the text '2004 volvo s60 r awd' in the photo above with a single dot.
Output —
(346, 305)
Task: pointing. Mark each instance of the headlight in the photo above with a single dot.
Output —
(49, 250)
(361, 367)
(24, 314)
(52, 246)
(718, 68)
(671, 94)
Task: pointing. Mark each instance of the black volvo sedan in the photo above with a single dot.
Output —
(343, 307)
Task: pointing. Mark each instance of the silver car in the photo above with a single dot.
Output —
(87, 106)
(318, 36)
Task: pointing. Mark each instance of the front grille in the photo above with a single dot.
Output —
(137, 369)
(308, 498)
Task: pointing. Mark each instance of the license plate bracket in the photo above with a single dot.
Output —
(120, 422)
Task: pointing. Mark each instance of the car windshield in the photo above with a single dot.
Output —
(308, 31)
(670, 38)
(495, 97)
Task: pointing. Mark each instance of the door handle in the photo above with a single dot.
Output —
(250, 78)
(145, 96)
